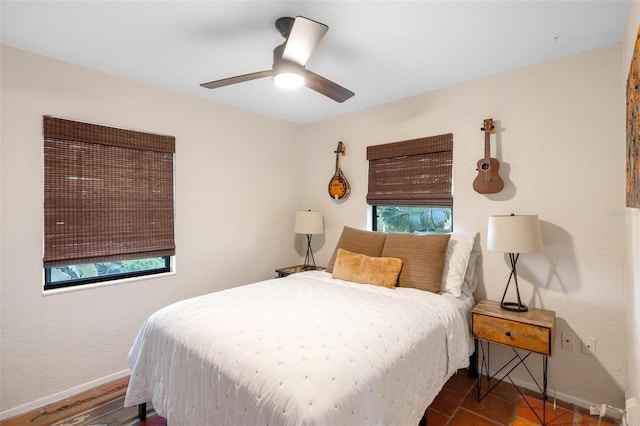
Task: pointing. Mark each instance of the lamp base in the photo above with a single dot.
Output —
(309, 261)
(514, 306)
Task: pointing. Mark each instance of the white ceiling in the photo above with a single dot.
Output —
(381, 50)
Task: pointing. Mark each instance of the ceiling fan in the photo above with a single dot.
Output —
(301, 35)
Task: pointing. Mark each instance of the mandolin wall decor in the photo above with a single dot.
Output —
(339, 185)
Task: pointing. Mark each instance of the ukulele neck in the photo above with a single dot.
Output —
(487, 146)
(488, 127)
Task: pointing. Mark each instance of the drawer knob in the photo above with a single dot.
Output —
(508, 333)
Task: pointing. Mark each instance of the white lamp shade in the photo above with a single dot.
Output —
(514, 234)
(309, 222)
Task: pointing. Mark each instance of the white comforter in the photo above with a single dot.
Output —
(301, 350)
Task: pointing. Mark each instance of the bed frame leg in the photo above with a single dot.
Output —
(473, 362)
(142, 411)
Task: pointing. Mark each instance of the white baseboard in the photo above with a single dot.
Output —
(39, 403)
(552, 394)
(632, 412)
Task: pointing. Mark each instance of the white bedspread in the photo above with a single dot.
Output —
(301, 350)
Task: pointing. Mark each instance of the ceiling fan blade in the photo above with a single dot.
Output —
(305, 35)
(327, 87)
(237, 79)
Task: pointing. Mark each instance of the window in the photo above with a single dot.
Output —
(410, 185)
(87, 273)
(108, 203)
(412, 219)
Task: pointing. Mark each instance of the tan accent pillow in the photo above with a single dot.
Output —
(360, 268)
(422, 258)
(358, 241)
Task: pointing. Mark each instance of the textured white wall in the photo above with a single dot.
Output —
(560, 140)
(561, 147)
(235, 172)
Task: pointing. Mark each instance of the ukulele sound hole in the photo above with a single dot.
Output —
(485, 166)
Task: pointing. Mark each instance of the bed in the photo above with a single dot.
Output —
(312, 348)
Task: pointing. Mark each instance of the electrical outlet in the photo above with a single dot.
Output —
(589, 346)
(567, 340)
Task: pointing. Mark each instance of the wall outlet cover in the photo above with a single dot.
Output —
(589, 346)
(567, 340)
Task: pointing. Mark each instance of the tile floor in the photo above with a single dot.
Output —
(456, 405)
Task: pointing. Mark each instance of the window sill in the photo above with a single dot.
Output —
(83, 287)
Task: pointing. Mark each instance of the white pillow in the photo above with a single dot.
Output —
(472, 276)
(456, 260)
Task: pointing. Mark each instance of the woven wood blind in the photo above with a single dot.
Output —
(108, 193)
(415, 172)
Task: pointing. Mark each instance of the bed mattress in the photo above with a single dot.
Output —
(302, 350)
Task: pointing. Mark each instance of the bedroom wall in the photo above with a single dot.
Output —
(632, 258)
(561, 147)
(226, 235)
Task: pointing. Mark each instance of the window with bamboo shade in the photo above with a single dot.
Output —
(108, 202)
(410, 184)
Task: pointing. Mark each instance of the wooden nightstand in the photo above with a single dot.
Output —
(283, 272)
(530, 332)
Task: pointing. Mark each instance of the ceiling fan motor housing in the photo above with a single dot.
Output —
(281, 65)
(284, 25)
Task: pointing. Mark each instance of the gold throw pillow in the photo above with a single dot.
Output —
(360, 268)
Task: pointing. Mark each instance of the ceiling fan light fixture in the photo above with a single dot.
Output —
(302, 36)
(288, 80)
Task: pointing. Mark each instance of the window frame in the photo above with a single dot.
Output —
(415, 173)
(49, 285)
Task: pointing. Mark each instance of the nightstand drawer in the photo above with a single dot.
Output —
(525, 336)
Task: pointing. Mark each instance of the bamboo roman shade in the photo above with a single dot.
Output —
(108, 193)
(415, 172)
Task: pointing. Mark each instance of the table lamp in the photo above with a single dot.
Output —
(309, 223)
(514, 234)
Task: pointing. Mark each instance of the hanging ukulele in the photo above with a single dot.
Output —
(339, 186)
(488, 181)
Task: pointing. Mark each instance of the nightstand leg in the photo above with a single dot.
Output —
(504, 373)
(544, 389)
(483, 358)
(480, 370)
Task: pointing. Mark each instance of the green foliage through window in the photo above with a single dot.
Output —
(412, 219)
(63, 276)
